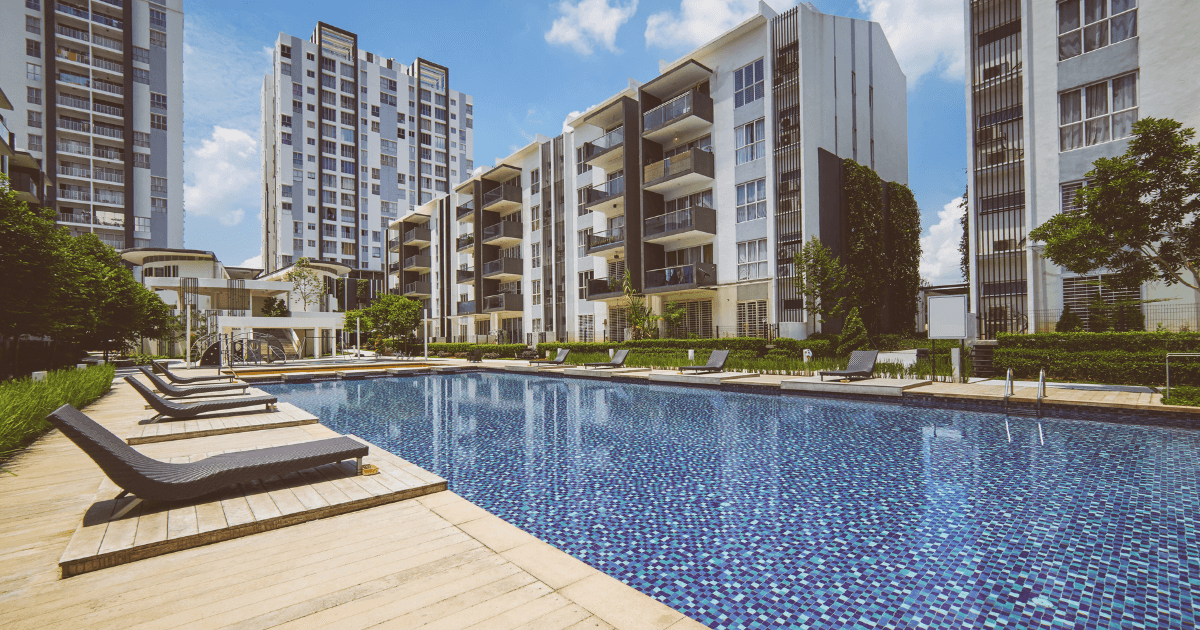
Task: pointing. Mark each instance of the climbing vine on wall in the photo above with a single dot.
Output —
(904, 259)
(866, 256)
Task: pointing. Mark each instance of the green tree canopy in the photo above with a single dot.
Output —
(306, 282)
(821, 279)
(1137, 217)
(904, 259)
(854, 334)
(391, 316)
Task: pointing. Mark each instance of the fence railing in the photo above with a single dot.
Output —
(1124, 317)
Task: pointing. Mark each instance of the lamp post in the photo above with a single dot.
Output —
(358, 338)
(425, 317)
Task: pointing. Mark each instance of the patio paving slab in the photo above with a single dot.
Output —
(220, 423)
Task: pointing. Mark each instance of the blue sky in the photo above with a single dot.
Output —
(528, 64)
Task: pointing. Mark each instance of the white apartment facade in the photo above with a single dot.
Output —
(97, 94)
(352, 141)
(701, 183)
(1051, 87)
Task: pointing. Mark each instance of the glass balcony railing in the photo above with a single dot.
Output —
(465, 210)
(690, 103)
(503, 229)
(73, 79)
(503, 302)
(607, 190)
(682, 276)
(698, 217)
(71, 9)
(502, 193)
(603, 286)
(466, 308)
(417, 235)
(464, 242)
(699, 161)
(614, 138)
(504, 266)
(614, 236)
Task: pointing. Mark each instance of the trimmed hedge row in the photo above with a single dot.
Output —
(1118, 367)
(756, 346)
(1085, 341)
(507, 350)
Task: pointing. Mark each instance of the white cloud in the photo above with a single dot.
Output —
(572, 116)
(939, 246)
(224, 176)
(253, 262)
(586, 23)
(926, 35)
(700, 21)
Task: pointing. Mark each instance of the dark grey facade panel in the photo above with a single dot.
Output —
(158, 153)
(158, 71)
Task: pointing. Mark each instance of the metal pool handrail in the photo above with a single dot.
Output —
(1008, 389)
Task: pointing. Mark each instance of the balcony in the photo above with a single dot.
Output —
(607, 243)
(104, 64)
(418, 289)
(418, 263)
(80, 172)
(79, 218)
(394, 245)
(503, 303)
(100, 18)
(110, 197)
(607, 198)
(679, 117)
(604, 289)
(70, 9)
(66, 100)
(505, 199)
(27, 187)
(71, 124)
(394, 269)
(678, 172)
(74, 193)
(502, 234)
(417, 236)
(465, 212)
(106, 153)
(465, 308)
(683, 228)
(503, 269)
(464, 276)
(681, 278)
(465, 244)
(606, 152)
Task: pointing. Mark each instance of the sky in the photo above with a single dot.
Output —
(528, 65)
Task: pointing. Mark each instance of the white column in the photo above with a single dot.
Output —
(317, 343)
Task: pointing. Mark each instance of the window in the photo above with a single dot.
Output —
(141, 54)
(750, 144)
(752, 200)
(34, 142)
(375, 113)
(285, 138)
(158, 38)
(748, 83)
(141, 75)
(752, 259)
(158, 205)
(470, 109)
(158, 185)
(584, 278)
(33, 48)
(1087, 25)
(752, 318)
(1097, 113)
(36, 5)
(285, 68)
(141, 139)
(159, 19)
(141, 160)
(1069, 192)
(286, 192)
(33, 25)
(347, 102)
(583, 237)
(159, 101)
(536, 288)
(33, 95)
(535, 255)
(469, 124)
(33, 119)
(33, 72)
(580, 166)
(285, 51)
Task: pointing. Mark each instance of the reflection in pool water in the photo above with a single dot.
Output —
(758, 511)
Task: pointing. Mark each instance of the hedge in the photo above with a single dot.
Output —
(757, 346)
(507, 350)
(1084, 341)
(1117, 367)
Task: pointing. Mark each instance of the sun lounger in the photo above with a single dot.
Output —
(617, 361)
(179, 392)
(476, 356)
(716, 363)
(861, 365)
(169, 409)
(151, 479)
(186, 380)
(558, 359)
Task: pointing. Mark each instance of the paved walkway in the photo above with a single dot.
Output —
(434, 562)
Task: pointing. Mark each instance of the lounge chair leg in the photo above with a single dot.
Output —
(118, 497)
(125, 510)
(156, 418)
(359, 459)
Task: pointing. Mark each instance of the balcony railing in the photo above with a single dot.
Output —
(71, 101)
(111, 88)
(108, 154)
(698, 217)
(73, 79)
(606, 287)
(74, 171)
(607, 190)
(465, 210)
(682, 276)
(75, 217)
(100, 18)
(614, 138)
(503, 266)
(108, 42)
(418, 261)
(71, 32)
(417, 234)
(107, 131)
(70, 146)
(108, 109)
(74, 194)
(417, 288)
(105, 64)
(466, 308)
(607, 238)
(503, 302)
(74, 125)
(71, 55)
(503, 229)
(108, 175)
(112, 197)
(464, 242)
(393, 244)
(115, 242)
(692, 102)
(502, 193)
(109, 219)
(71, 9)
(464, 276)
(696, 161)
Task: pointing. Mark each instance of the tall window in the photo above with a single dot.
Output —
(583, 236)
(752, 200)
(1097, 113)
(752, 318)
(535, 255)
(750, 145)
(1069, 192)
(752, 259)
(584, 278)
(1087, 25)
(587, 327)
(536, 288)
(535, 218)
(748, 83)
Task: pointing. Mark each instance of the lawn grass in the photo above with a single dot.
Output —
(25, 403)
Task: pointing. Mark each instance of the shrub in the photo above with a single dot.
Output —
(25, 403)
(854, 334)
(491, 355)
(1119, 367)
(1068, 321)
(506, 350)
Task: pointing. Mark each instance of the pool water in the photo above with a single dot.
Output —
(746, 510)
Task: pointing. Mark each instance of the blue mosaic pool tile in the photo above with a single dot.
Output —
(753, 511)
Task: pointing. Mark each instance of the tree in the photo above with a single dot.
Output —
(904, 259)
(964, 241)
(390, 316)
(866, 253)
(673, 316)
(37, 276)
(854, 334)
(274, 307)
(1068, 321)
(305, 282)
(821, 279)
(1137, 217)
(639, 314)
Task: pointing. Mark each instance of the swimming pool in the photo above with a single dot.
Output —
(764, 511)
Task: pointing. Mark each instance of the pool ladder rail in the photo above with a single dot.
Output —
(1041, 394)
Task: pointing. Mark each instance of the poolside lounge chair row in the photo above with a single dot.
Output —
(716, 361)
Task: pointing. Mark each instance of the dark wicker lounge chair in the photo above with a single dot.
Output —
(617, 361)
(862, 365)
(716, 363)
(179, 392)
(151, 479)
(169, 409)
(476, 356)
(558, 359)
(187, 380)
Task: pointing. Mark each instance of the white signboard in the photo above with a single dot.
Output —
(947, 316)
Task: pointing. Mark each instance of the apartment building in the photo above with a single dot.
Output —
(96, 89)
(352, 141)
(700, 183)
(1051, 87)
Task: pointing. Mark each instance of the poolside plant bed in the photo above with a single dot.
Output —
(25, 403)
